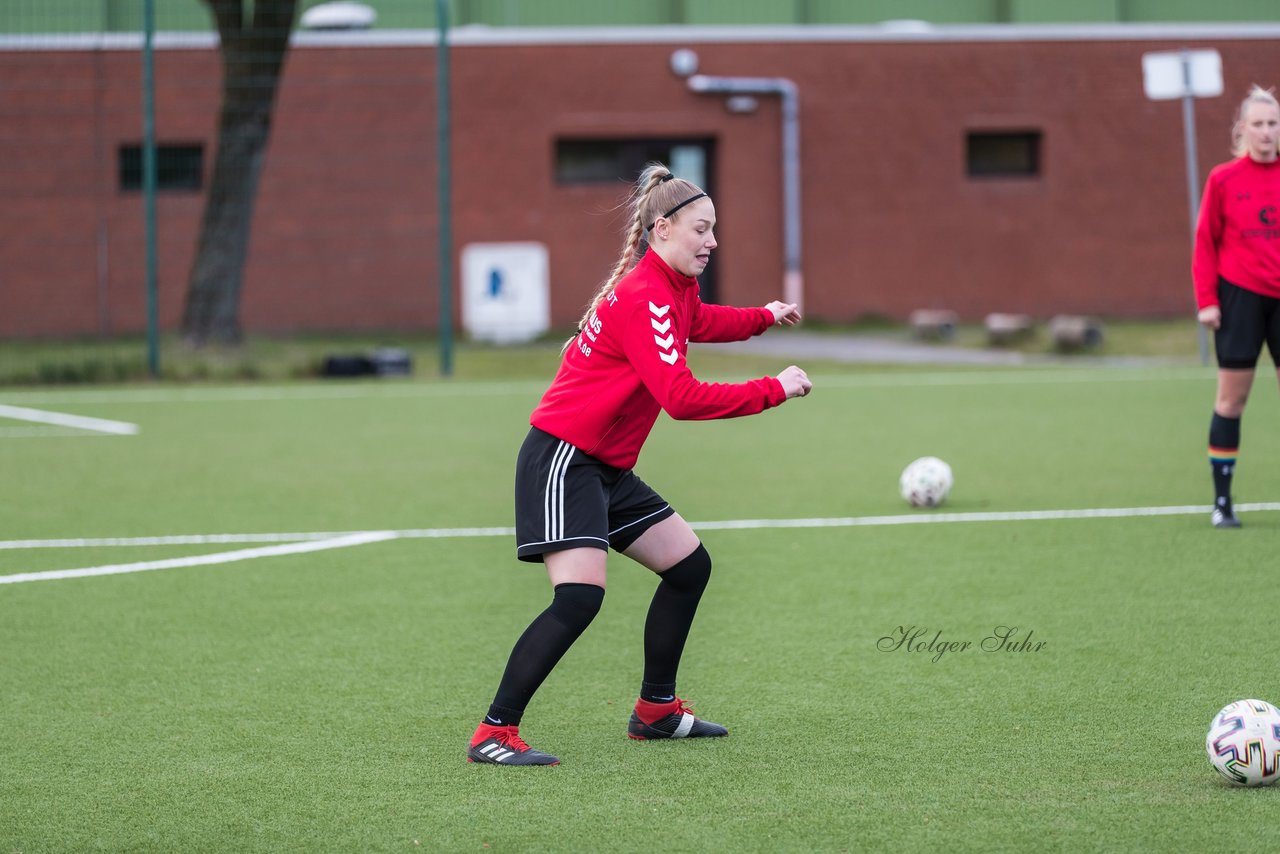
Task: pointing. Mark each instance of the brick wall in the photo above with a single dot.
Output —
(345, 223)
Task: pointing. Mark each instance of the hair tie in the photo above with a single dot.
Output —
(668, 214)
(670, 176)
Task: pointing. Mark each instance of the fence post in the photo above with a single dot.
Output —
(149, 180)
(442, 177)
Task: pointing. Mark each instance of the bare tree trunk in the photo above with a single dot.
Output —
(252, 59)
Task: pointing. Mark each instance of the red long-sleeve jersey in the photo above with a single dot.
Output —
(1238, 232)
(628, 364)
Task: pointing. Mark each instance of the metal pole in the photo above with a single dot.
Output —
(1193, 180)
(149, 181)
(442, 178)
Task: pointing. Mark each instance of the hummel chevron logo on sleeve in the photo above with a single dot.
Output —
(666, 346)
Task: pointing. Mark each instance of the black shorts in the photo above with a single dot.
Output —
(1248, 319)
(566, 500)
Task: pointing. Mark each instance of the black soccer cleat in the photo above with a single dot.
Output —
(1224, 520)
(669, 720)
(502, 745)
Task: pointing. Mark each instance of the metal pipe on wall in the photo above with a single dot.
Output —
(793, 277)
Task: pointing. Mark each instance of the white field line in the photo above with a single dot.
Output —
(62, 419)
(925, 517)
(299, 543)
(216, 539)
(46, 433)
(204, 560)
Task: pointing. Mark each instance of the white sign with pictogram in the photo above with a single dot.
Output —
(505, 293)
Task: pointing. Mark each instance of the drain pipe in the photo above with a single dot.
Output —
(792, 280)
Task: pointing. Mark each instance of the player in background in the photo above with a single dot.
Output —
(576, 494)
(1236, 270)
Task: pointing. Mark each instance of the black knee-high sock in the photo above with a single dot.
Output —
(667, 627)
(541, 647)
(1224, 445)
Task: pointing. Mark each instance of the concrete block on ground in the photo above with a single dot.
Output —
(933, 324)
(1074, 332)
(1007, 329)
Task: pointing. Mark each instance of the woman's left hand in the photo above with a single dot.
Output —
(1210, 316)
(787, 313)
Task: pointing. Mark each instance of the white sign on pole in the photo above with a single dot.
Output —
(506, 298)
(1185, 75)
(1165, 74)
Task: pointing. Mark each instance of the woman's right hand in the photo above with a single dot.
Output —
(795, 382)
(1210, 316)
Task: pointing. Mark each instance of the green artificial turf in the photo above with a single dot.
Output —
(323, 700)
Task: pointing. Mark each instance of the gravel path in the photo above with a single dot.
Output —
(881, 349)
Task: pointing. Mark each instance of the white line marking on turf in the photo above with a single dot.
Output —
(204, 560)
(924, 517)
(62, 419)
(299, 543)
(46, 433)
(215, 539)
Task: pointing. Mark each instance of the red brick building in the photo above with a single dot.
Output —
(898, 135)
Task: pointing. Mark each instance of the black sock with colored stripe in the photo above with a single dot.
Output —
(1224, 445)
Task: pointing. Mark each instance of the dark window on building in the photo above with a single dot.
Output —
(619, 162)
(179, 167)
(1003, 154)
(590, 161)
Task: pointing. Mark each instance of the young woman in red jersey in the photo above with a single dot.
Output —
(1236, 269)
(576, 493)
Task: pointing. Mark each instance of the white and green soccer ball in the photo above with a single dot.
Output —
(926, 482)
(1244, 743)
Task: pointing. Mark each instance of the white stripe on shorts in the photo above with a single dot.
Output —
(553, 498)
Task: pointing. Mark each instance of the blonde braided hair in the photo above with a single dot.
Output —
(657, 190)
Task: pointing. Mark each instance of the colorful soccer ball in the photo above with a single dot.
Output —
(925, 482)
(1244, 743)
